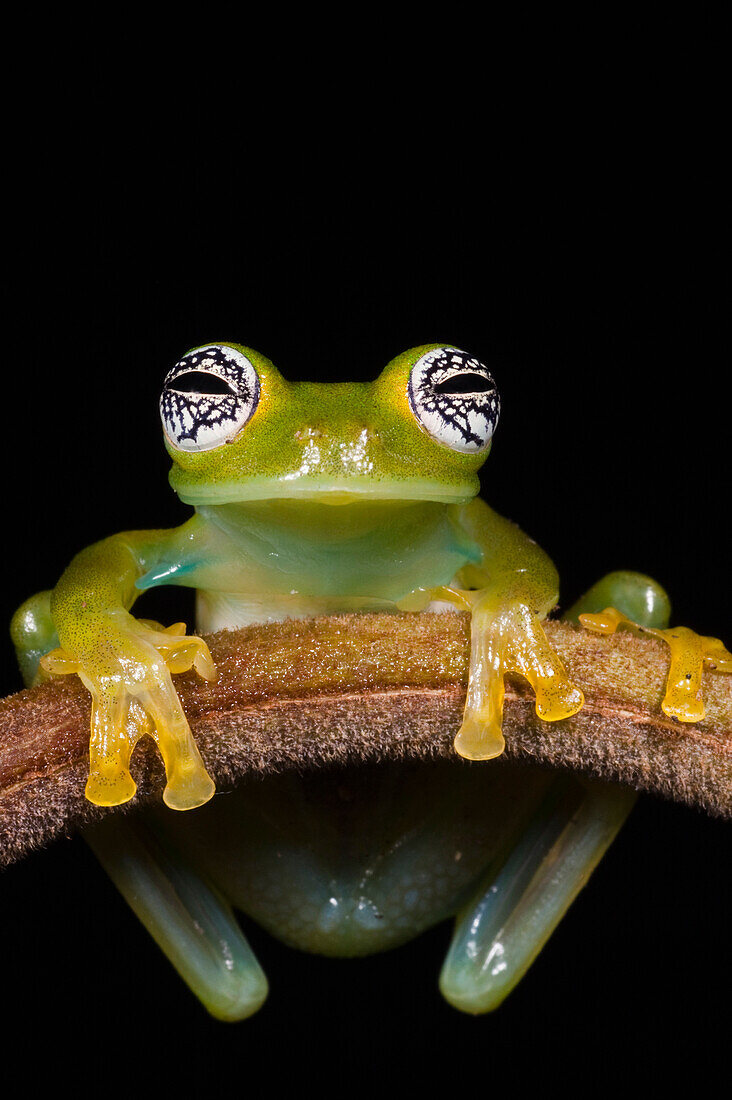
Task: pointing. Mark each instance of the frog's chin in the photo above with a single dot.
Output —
(311, 492)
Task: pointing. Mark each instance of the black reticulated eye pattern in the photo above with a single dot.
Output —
(455, 398)
(207, 396)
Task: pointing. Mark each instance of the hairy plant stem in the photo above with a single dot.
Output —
(357, 688)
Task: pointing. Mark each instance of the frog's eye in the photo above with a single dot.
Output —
(208, 397)
(455, 399)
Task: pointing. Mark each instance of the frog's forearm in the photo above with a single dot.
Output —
(513, 567)
(101, 581)
(126, 665)
(507, 591)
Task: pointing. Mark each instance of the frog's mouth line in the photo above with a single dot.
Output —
(310, 490)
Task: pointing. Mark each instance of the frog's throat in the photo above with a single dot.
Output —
(347, 491)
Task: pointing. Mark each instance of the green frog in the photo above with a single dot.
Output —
(313, 499)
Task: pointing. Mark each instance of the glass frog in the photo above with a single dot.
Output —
(314, 499)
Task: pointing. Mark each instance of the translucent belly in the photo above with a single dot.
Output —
(269, 562)
(352, 861)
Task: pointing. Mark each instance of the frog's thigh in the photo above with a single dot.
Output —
(33, 634)
(185, 915)
(635, 594)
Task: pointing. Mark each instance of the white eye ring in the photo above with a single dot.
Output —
(208, 397)
(454, 398)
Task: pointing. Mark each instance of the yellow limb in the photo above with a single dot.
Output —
(505, 637)
(690, 654)
(127, 707)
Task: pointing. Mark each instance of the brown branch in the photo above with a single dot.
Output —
(352, 688)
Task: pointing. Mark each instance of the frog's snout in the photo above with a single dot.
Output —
(357, 433)
(303, 434)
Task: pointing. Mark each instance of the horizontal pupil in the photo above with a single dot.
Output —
(199, 381)
(464, 383)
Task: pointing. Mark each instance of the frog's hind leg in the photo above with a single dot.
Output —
(523, 897)
(186, 916)
(603, 610)
(634, 594)
(33, 634)
(514, 911)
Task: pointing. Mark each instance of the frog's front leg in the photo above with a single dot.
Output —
(507, 592)
(506, 636)
(125, 663)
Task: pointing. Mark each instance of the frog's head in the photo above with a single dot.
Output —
(237, 431)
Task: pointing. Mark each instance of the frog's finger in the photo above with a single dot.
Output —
(198, 656)
(717, 655)
(519, 904)
(528, 652)
(683, 698)
(480, 736)
(58, 663)
(690, 654)
(110, 748)
(158, 628)
(189, 653)
(180, 650)
(188, 783)
(186, 916)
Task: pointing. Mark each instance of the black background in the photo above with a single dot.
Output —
(573, 241)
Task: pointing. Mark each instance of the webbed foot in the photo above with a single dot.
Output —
(129, 678)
